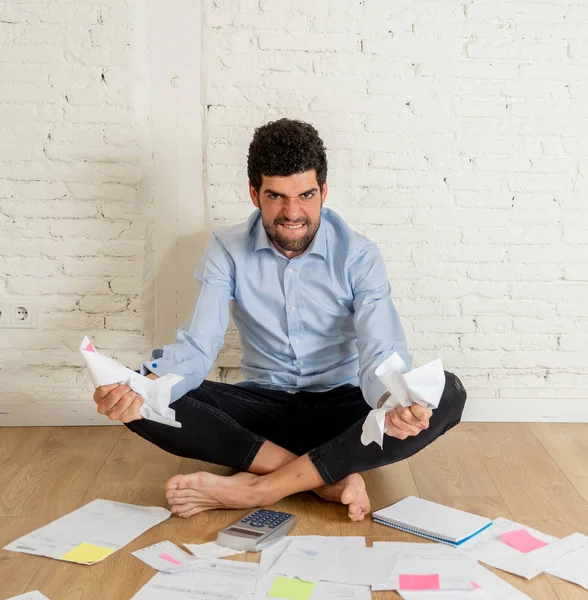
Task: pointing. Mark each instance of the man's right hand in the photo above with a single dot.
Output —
(118, 402)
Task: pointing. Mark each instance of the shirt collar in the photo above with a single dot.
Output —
(318, 246)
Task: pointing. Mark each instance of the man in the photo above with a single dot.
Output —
(311, 300)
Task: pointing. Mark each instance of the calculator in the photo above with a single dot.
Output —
(257, 530)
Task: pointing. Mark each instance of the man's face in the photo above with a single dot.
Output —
(290, 210)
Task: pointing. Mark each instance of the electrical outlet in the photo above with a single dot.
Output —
(18, 313)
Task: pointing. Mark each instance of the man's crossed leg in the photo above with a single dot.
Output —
(282, 444)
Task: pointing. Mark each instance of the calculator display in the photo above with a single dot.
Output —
(246, 532)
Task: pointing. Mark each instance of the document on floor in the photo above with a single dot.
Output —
(270, 556)
(423, 385)
(210, 580)
(90, 533)
(212, 550)
(518, 549)
(166, 557)
(573, 567)
(491, 587)
(155, 393)
(360, 566)
(36, 595)
(443, 572)
(324, 559)
(295, 589)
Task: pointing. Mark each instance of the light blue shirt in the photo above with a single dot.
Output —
(312, 323)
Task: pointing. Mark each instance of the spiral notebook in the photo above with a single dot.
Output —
(433, 521)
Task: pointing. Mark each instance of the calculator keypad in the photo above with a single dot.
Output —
(265, 518)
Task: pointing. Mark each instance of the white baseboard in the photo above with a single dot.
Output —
(526, 410)
(38, 414)
(521, 410)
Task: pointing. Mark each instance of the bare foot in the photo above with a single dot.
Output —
(350, 491)
(197, 492)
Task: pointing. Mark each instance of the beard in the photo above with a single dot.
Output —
(291, 244)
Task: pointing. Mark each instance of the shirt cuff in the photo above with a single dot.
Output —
(373, 390)
(160, 367)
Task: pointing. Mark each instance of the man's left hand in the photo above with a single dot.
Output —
(403, 422)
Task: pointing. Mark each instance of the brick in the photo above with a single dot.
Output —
(62, 284)
(101, 267)
(48, 208)
(517, 12)
(308, 43)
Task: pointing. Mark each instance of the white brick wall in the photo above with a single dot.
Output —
(72, 220)
(457, 134)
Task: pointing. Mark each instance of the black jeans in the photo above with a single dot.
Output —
(227, 424)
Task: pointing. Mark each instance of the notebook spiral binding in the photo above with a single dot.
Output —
(415, 530)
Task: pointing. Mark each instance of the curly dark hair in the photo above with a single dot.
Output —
(285, 147)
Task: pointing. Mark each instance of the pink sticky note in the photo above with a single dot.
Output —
(522, 541)
(419, 582)
(476, 585)
(170, 559)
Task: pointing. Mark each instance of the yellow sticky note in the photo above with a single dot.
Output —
(291, 589)
(87, 554)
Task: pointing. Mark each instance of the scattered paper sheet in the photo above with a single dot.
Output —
(358, 566)
(90, 533)
(423, 386)
(339, 591)
(270, 556)
(210, 580)
(212, 550)
(304, 559)
(490, 548)
(36, 595)
(492, 588)
(155, 393)
(573, 566)
(444, 571)
(165, 557)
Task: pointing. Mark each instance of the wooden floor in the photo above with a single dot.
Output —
(536, 474)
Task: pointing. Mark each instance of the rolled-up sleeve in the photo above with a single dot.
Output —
(377, 323)
(199, 341)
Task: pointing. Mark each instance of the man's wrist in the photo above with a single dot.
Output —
(383, 399)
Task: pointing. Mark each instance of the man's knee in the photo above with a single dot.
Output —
(453, 399)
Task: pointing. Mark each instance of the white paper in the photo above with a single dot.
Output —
(156, 393)
(210, 580)
(489, 548)
(36, 595)
(423, 385)
(270, 556)
(359, 566)
(305, 559)
(338, 591)
(212, 550)
(573, 566)
(492, 588)
(155, 556)
(101, 522)
(454, 571)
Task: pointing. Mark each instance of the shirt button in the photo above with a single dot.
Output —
(301, 363)
(292, 308)
(297, 341)
(290, 270)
